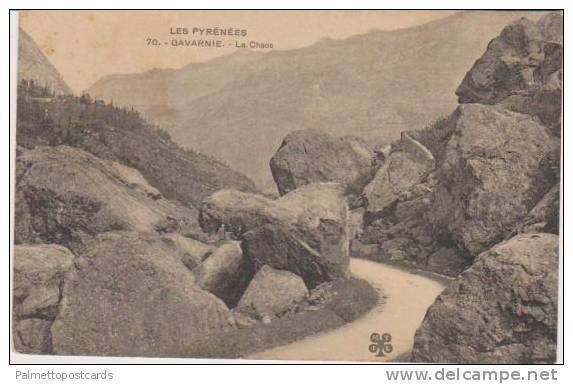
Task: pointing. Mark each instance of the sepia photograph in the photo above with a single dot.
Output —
(351, 186)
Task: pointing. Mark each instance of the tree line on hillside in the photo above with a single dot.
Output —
(123, 135)
(56, 117)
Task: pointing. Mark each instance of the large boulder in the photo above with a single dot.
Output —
(270, 293)
(130, 295)
(497, 165)
(305, 231)
(39, 272)
(522, 69)
(501, 310)
(65, 193)
(235, 211)
(311, 156)
(225, 273)
(407, 165)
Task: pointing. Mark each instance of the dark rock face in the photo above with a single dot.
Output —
(225, 273)
(305, 253)
(522, 69)
(65, 194)
(306, 231)
(39, 272)
(544, 217)
(403, 233)
(497, 166)
(129, 295)
(502, 310)
(398, 215)
(311, 156)
(271, 292)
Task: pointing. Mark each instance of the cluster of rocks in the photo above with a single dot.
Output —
(476, 192)
(98, 251)
(104, 265)
(395, 195)
(521, 70)
(305, 231)
(502, 166)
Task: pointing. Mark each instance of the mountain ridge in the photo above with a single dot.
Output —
(48, 114)
(34, 65)
(238, 108)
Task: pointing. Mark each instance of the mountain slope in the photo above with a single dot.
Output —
(34, 65)
(239, 107)
(121, 135)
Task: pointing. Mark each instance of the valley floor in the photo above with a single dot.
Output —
(407, 297)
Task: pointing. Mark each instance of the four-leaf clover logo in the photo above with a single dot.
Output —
(380, 344)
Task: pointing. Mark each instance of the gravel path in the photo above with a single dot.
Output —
(407, 296)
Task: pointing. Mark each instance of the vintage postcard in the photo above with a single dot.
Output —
(343, 186)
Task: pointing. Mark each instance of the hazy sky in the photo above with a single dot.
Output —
(86, 45)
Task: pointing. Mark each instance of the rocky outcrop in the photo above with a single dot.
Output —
(447, 192)
(270, 293)
(407, 165)
(311, 156)
(225, 273)
(403, 234)
(521, 69)
(502, 310)
(129, 295)
(305, 231)
(495, 157)
(497, 175)
(39, 272)
(498, 164)
(64, 194)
